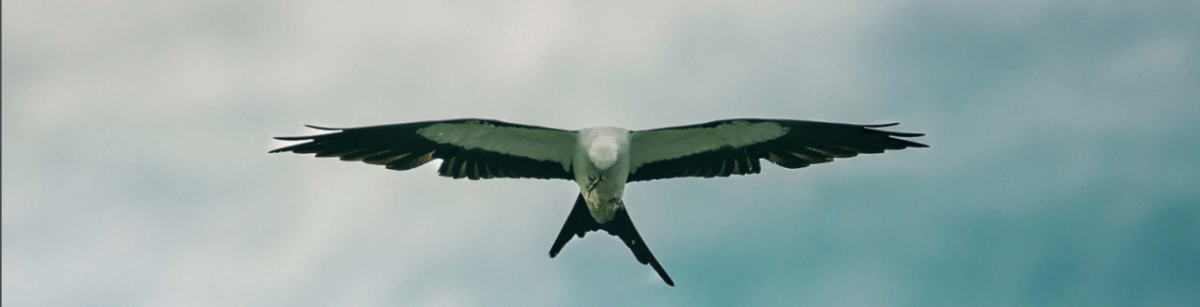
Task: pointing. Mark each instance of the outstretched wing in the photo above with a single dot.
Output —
(734, 147)
(469, 148)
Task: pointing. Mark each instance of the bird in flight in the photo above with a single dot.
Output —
(601, 160)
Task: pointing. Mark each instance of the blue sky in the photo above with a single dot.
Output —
(1062, 170)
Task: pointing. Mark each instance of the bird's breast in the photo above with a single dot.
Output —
(604, 200)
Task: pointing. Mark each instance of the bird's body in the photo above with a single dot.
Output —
(602, 149)
(601, 160)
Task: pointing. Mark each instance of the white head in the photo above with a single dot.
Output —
(603, 146)
(603, 154)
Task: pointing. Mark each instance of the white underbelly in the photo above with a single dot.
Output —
(604, 200)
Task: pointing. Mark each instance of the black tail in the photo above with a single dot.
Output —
(580, 222)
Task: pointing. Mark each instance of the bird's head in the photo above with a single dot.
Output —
(602, 155)
(601, 162)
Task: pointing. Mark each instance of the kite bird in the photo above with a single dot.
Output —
(601, 160)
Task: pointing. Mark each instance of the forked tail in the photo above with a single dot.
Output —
(580, 222)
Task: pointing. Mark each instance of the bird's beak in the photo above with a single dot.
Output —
(600, 174)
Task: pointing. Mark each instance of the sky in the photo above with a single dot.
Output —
(1062, 170)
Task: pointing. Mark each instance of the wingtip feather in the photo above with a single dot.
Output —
(324, 128)
(905, 134)
(908, 143)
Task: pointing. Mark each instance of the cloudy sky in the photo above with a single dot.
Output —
(1062, 172)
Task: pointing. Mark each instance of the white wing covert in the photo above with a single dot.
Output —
(470, 148)
(734, 147)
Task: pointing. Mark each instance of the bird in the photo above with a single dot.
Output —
(600, 160)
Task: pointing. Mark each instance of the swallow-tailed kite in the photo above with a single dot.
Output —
(601, 160)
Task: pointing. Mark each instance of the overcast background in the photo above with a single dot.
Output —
(1063, 169)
